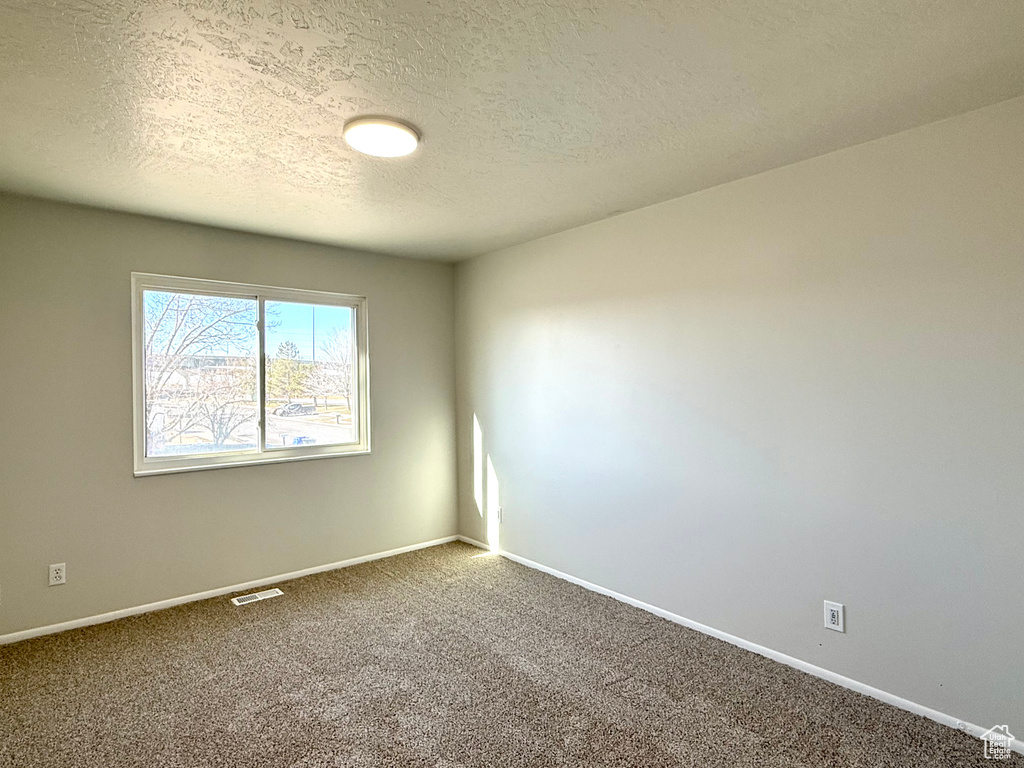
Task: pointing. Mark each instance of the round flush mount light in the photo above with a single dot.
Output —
(381, 136)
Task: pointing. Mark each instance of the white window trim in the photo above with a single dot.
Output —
(160, 465)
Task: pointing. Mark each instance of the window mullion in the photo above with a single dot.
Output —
(261, 325)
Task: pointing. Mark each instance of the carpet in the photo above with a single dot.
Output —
(444, 657)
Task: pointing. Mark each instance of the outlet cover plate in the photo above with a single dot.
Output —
(835, 616)
(58, 574)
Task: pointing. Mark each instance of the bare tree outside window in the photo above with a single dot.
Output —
(332, 373)
(220, 411)
(200, 372)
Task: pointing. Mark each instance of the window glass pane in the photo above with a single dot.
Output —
(200, 358)
(311, 375)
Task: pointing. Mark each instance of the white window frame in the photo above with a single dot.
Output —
(158, 465)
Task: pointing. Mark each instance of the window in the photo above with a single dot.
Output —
(228, 374)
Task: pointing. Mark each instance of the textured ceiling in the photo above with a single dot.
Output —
(536, 116)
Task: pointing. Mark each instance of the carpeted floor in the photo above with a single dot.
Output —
(441, 657)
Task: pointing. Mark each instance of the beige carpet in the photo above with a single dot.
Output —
(440, 657)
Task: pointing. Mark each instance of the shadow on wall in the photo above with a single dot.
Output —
(486, 489)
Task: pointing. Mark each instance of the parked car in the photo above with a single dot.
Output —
(294, 409)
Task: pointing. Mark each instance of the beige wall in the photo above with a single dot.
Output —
(800, 386)
(66, 488)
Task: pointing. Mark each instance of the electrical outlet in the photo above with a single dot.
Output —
(835, 616)
(58, 574)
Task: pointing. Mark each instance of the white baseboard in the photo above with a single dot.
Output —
(474, 542)
(789, 661)
(26, 634)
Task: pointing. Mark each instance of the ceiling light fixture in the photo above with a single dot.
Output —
(381, 136)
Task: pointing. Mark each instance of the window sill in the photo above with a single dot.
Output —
(155, 468)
